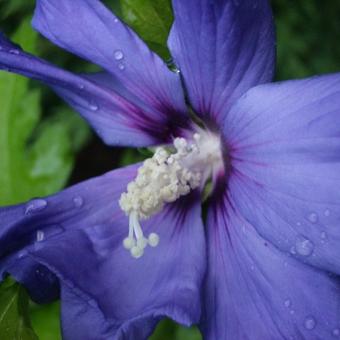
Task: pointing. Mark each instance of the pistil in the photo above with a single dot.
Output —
(165, 177)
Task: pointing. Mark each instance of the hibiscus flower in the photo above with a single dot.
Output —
(130, 247)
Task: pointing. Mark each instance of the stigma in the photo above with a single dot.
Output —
(173, 171)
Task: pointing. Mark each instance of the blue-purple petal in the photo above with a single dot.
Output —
(77, 236)
(222, 48)
(284, 143)
(116, 115)
(255, 291)
(99, 36)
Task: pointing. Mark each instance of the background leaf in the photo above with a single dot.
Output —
(14, 319)
(36, 157)
(45, 321)
(37, 154)
(152, 20)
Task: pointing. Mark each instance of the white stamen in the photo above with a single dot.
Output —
(164, 178)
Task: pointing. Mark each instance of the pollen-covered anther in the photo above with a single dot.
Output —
(161, 179)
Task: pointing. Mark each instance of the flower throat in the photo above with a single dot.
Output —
(169, 174)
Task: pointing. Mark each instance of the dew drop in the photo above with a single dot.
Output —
(93, 107)
(49, 231)
(310, 323)
(118, 55)
(40, 236)
(327, 212)
(288, 303)
(313, 217)
(121, 66)
(115, 20)
(22, 254)
(323, 236)
(81, 86)
(13, 51)
(336, 332)
(303, 246)
(292, 250)
(35, 205)
(78, 201)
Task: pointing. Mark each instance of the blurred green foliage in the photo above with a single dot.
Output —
(14, 317)
(152, 20)
(308, 33)
(36, 155)
(45, 321)
(39, 136)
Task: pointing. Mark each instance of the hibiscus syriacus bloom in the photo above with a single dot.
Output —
(130, 247)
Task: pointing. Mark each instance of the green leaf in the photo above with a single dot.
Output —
(14, 320)
(8, 8)
(169, 330)
(45, 321)
(152, 20)
(36, 157)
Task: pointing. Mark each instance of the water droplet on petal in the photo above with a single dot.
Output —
(35, 205)
(78, 201)
(115, 20)
(40, 235)
(118, 55)
(292, 250)
(313, 217)
(288, 303)
(22, 253)
(303, 246)
(121, 66)
(49, 231)
(336, 332)
(13, 51)
(327, 212)
(93, 107)
(323, 236)
(310, 323)
(81, 86)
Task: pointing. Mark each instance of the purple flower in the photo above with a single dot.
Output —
(265, 263)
